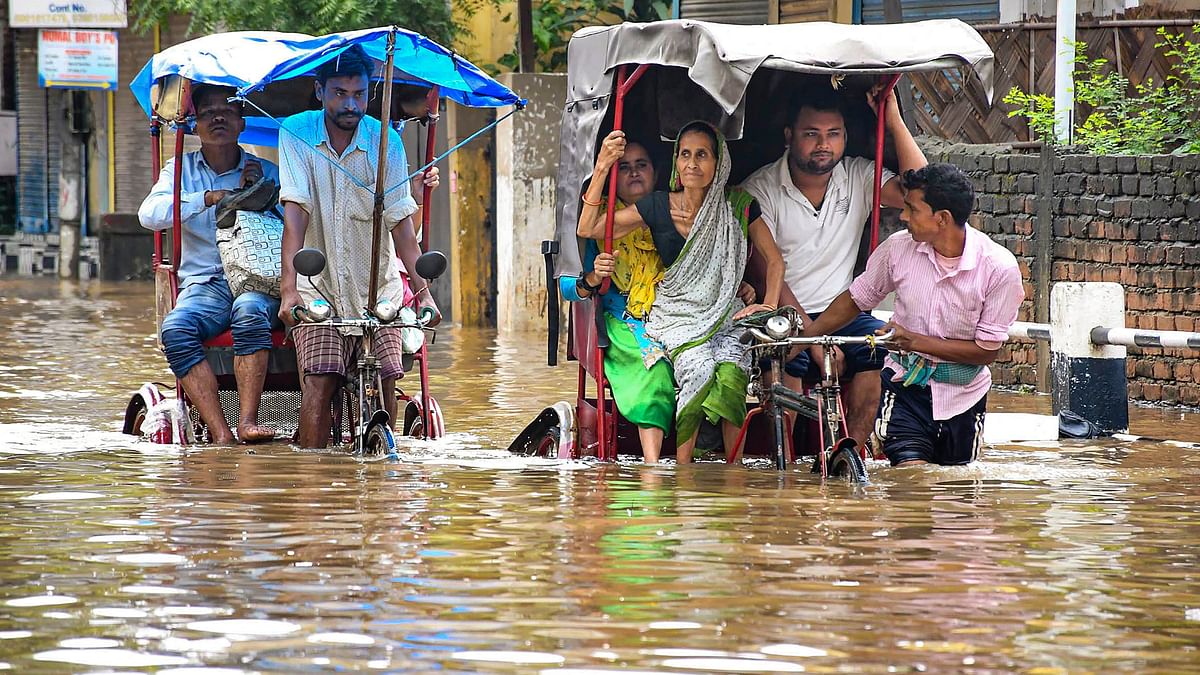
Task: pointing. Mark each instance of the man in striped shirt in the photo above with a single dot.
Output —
(957, 294)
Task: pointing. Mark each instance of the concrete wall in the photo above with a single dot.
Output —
(1131, 220)
(526, 166)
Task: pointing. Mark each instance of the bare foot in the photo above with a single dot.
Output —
(253, 433)
(223, 439)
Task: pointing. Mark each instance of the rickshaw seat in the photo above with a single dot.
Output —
(278, 337)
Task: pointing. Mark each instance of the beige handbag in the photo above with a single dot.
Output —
(251, 250)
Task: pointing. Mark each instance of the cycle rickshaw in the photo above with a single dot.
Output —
(651, 79)
(273, 74)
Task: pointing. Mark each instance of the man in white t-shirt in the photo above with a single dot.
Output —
(816, 203)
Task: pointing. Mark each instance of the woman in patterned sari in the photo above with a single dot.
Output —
(700, 230)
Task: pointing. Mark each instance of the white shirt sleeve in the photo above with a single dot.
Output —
(157, 210)
(295, 180)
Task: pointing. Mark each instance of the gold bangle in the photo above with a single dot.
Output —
(598, 202)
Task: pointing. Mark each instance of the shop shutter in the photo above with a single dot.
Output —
(971, 11)
(797, 11)
(37, 153)
(726, 11)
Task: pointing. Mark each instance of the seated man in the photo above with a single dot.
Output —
(326, 155)
(206, 307)
(816, 202)
(957, 295)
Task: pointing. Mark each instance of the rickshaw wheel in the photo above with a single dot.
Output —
(415, 428)
(846, 462)
(378, 442)
(547, 445)
(135, 416)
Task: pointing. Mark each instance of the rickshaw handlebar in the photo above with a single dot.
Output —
(823, 340)
(367, 322)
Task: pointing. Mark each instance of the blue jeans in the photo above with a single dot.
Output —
(859, 358)
(204, 311)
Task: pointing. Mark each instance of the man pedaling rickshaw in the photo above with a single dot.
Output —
(326, 157)
(206, 307)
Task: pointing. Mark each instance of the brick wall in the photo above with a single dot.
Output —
(1131, 220)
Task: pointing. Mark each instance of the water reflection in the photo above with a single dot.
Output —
(121, 555)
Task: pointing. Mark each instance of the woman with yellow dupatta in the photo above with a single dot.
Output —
(634, 365)
(701, 229)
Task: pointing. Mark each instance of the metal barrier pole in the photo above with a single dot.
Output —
(1086, 378)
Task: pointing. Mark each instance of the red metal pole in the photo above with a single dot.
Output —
(431, 101)
(185, 107)
(881, 107)
(625, 82)
(155, 169)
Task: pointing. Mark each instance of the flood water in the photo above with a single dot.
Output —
(121, 556)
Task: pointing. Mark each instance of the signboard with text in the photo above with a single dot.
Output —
(67, 14)
(77, 59)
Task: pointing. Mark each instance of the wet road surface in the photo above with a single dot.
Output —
(117, 555)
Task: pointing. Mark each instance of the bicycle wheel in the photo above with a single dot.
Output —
(378, 441)
(845, 462)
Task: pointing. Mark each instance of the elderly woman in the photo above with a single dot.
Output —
(700, 230)
(634, 365)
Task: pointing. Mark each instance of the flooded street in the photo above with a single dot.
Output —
(117, 555)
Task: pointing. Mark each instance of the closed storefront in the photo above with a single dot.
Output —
(726, 11)
(796, 11)
(971, 11)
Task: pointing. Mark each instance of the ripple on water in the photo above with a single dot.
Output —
(65, 496)
(511, 657)
(42, 601)
(115, 658)
(252, 627)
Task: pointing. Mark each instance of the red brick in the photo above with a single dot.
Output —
(1118, 254)
(1183, 372)
(1135, 390)
(1129, 276)
(1190, 395)
(1152, 392)
(1186, 324)
(1170, 393)
(1112, 274)
(1161, 370)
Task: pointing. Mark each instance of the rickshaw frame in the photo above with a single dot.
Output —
(701, 47)
(427, 411)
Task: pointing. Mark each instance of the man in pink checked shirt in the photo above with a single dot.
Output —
(957, 294)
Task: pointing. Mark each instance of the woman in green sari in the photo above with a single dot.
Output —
(700, 229)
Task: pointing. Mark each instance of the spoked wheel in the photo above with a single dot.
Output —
(378, 442)
(415, 427)
(547, 444)
(846, 462)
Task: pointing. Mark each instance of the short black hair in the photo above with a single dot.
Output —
(946, 188)
(821, 99)
(202, 91)
(350, 63)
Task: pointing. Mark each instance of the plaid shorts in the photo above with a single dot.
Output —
(324, 350)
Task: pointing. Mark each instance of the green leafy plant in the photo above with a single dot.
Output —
(554, 21)
(1150, 118)
(432, 18)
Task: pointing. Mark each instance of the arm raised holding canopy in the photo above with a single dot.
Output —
(591, 216)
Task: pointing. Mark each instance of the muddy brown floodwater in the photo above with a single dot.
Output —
(121, 556)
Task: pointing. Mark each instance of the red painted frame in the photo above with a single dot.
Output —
(606, 446)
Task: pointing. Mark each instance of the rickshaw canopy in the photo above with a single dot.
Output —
(721, 60)
(270, 70)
